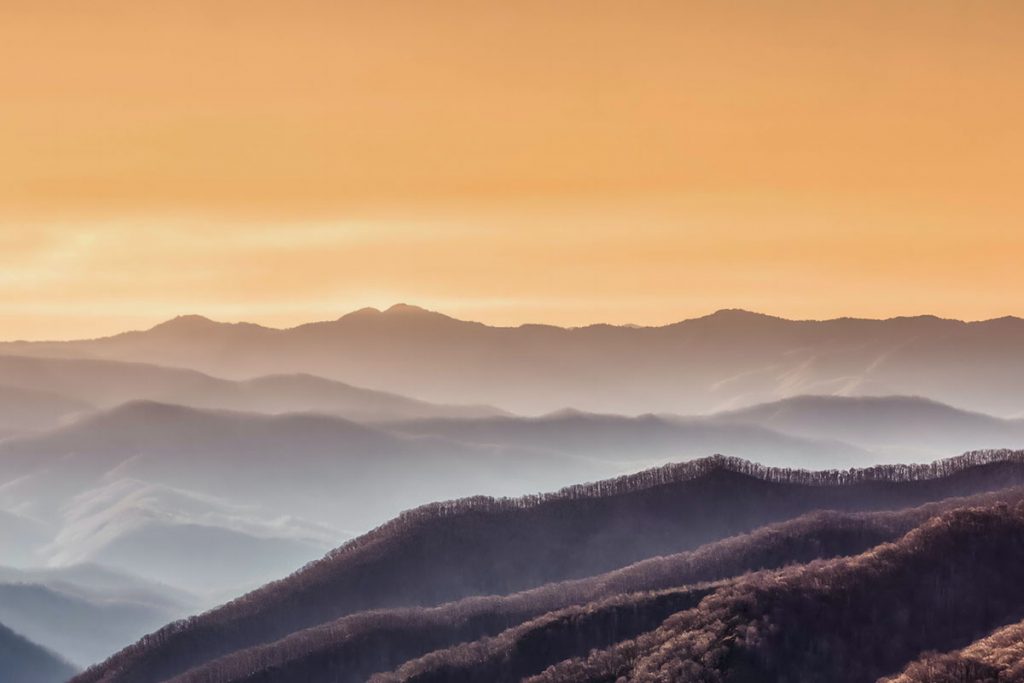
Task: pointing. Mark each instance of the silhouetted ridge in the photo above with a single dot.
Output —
(396, 313)
(727, 359)
(187, 322)
(738, 315)
(688, 471)
(676, 473)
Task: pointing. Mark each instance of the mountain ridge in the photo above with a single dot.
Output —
(728, 359)
(505, 545)
(188, 320)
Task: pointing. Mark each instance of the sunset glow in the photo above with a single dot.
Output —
(564, 162)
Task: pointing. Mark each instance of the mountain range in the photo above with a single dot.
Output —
(216, 502)
(160, 473)
(40, 392)
(728, 360)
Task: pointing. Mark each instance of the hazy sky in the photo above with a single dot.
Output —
(561, 161)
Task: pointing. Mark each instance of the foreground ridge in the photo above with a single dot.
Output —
(446, 551)
(674, 473)
(557, 621)
(998, 657)
(845, 620)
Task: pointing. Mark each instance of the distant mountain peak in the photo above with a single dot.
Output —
(191, 321)
(195, 324)
(732, 316)
(740, 314)
(364, 312)
(396, 312)
(408, 309)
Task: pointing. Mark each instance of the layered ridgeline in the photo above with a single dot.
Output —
(845, 620)
(38, 392)
(206, 499)
(212, 501)
(846, 431)
(444, 552)
(543, 626)
(726, 360)
(42, 393)
(85, 612)
(22, 661)
(145, 469)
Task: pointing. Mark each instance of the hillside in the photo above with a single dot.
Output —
(83, 630)
(172, 446)
(36, 392)
(898, 425)
(444, 552)
(849, 619)
(997, 658)
(22, 661)
(146, 487)
(726, 360)
(540, 623)
(645, 440)
(86, 611)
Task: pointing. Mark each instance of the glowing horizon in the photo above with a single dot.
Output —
(566, 163)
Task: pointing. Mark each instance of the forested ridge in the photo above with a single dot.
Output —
(448, 551)
(354, 646)
(941, 586)
(997, 658)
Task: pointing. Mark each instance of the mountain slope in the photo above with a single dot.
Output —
(86, 611)
(726, 360)
(998, 658)
(904, 424)
(148, 487)
(250, 459)
(644, 440)
(543, 624)
(22, 661)
(38, 391)
(479, 546)
(852, 619)
(94, 581)
(83, 630)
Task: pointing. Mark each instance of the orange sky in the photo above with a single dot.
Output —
(561, 161)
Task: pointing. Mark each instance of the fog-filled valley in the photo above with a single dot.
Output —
(156, 475)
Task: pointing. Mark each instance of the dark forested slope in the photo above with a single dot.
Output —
(448, 551)
(551, 623)
(941, 586)
(997, 658)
